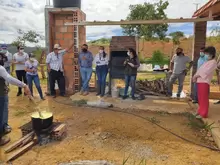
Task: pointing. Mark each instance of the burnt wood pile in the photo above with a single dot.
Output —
(153, 87)
(30, 138)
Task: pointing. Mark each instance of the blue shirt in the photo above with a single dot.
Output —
(85, 59)
(201, 61)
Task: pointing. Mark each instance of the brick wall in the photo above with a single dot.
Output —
(65, 36)
(122, 43)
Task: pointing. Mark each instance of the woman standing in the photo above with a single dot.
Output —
(19, 60)
(131, 65)
(31, 66)
(101, 61)
(203, 78)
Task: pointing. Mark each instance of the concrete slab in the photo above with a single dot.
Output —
(150, 103)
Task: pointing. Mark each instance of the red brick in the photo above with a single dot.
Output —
(59, 22)
(59, 35)
(61, 29)
(70, 29)
(68, 36)
(61, 42)
(68, 21)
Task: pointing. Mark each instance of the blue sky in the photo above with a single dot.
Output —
(29, 15)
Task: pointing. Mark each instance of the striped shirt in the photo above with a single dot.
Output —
(56, 60)
(30, 65)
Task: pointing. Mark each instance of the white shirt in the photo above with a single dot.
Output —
(9, 56)
(99, 60)
(8, 78)
(20, 58)
(56, 61)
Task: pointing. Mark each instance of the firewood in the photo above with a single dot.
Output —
(21, 151)
(26, 141)
(18, 143)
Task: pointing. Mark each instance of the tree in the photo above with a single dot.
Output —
(147, 11)
(24, 37)
(176, 37)
(158, 58)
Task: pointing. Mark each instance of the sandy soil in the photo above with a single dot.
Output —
(95, 134)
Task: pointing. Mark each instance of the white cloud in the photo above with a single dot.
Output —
(29, 15)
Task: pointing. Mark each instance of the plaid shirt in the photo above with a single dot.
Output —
(56, 61)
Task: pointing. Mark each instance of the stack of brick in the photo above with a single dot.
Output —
(65, 36)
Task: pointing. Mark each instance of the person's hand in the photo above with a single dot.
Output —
(185, 71)
(48, 69)
(170, 71)
(84, 57)
(132, 65)
(194, 79)
(27, 91)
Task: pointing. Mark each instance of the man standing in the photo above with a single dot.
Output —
(54, 63)
(4, 50)
(179, 71)
(202, 59)
(85, 63)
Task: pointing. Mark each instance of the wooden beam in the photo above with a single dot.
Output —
(139, 22)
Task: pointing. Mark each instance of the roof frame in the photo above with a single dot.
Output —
(140, 22)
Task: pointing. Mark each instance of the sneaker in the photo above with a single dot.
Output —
(133, 98)
(53, 96)
(124, 97)
(7, 129)
(4, 140)
(81, 92)
(218, 102)
(43, 99)
(19, 94)
(98, 94)
(195, 102)
(198, 116)
(85, 93)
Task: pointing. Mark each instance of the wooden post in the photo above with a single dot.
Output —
(199, 41)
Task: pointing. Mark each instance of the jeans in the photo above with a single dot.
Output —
(195, 92)
(86, 74)
(130, 80)
(21, 75)
(57, 76)
(101, 72)
(173, 78)
(3, 100)
(36, 80)
(5, 114)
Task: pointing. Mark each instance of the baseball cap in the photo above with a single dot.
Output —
(4, 46)
(57, 46)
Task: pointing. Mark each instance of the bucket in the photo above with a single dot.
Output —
(115, 93)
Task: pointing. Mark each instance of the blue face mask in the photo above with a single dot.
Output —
(202, 54)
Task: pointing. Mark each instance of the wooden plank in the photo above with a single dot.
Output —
(18, 143)
(21, 151)
(59, 128)
(138, 22)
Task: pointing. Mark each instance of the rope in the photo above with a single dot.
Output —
(147, 119)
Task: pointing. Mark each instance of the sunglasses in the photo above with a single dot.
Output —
(21, 48)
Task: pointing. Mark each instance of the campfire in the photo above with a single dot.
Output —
(31, 137)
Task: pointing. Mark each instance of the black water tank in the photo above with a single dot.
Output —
(67, 3)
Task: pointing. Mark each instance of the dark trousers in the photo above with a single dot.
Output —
(3, 99)
(21, 75)
(36, 80)
(57, 76)
(130, 81)
(101, 72)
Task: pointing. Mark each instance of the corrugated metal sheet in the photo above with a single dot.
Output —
(204, 8)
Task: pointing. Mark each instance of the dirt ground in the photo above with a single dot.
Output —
(98, 134)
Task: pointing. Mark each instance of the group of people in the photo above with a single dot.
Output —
(206, 66)
(86, 61)
(26, 69)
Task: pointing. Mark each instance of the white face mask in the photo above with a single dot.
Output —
(128, 53)
(101, 51)
(21, 51)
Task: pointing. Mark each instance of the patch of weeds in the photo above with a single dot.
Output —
(20, 112)
(80, 102)
(199, 124)
(154, 120)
